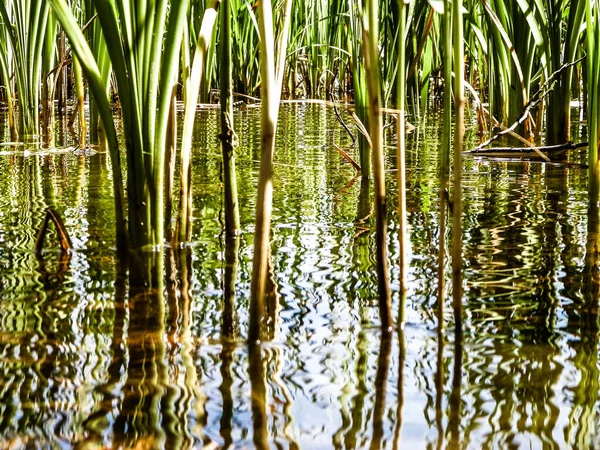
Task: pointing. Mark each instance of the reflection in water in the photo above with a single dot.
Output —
(381, 381)
(229, 335)
(258, 383)
(400, 401)
(583, 419)
(146, 370)
(91, 358)
(455, 400)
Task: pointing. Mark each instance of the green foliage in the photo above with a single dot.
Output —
(511, 46)
(24, 24)
(143, 43)
(556, 27)
(593, 86)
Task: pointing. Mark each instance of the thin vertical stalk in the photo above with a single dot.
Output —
(170, 156)
(48, 81)
(439, 380)
(400, 382)
(360, 87)
(455, 395)
(459, 113)
(270, 95)
(80, 92)
(62, 91)
(459, 106)
(445, 152)
(229, 333)
(401, 144)
(228, 137)
(593, 96)
(269, 112)
(370, 43)
(192, 89)
(444, 174)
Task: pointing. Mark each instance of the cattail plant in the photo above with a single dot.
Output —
(271, 82)
(193, 76)
(371, 52)
(25, 25)
(143, 58)
(400, 144)
(557, 41)
(228, 137)
(593, 95)
(6, 83)
(459, 118)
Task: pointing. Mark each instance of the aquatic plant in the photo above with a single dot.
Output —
(97, 44)
(593, 95)
(138, 37)
(227, 136)
(511, 49)
(374, 94)
(193, 75)
(458, 92)
(5, 78)
(24, 22)
(557, 40)
(271, 82)
(401, 142)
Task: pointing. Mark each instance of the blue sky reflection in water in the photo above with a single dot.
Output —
(87, 362)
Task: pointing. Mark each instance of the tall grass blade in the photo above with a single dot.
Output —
(97, 88)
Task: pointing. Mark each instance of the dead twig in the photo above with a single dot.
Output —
(63, 237)
(348, 158)
(535, 100)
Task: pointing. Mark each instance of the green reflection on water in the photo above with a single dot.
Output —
(90, 359)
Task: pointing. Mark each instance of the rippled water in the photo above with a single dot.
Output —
(87, 361)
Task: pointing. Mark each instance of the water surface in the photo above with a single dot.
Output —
(88, 361)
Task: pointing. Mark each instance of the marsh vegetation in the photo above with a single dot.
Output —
(272, 232)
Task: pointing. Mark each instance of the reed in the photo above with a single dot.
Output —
(49, 81)
(193, 76)
(511, 49)
(271, 82)
(138, 37)
(245, 36)
(445, 150)
(593, 96)
(401, 144)
(5, 78)
(557, 42)
(371, 52)
(360, 86)
(25, 25)
(228, 136)
(97, 43)
(459, 113)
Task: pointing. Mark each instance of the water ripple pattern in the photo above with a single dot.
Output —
(90, 360)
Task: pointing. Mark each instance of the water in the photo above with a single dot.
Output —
(86, 361)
